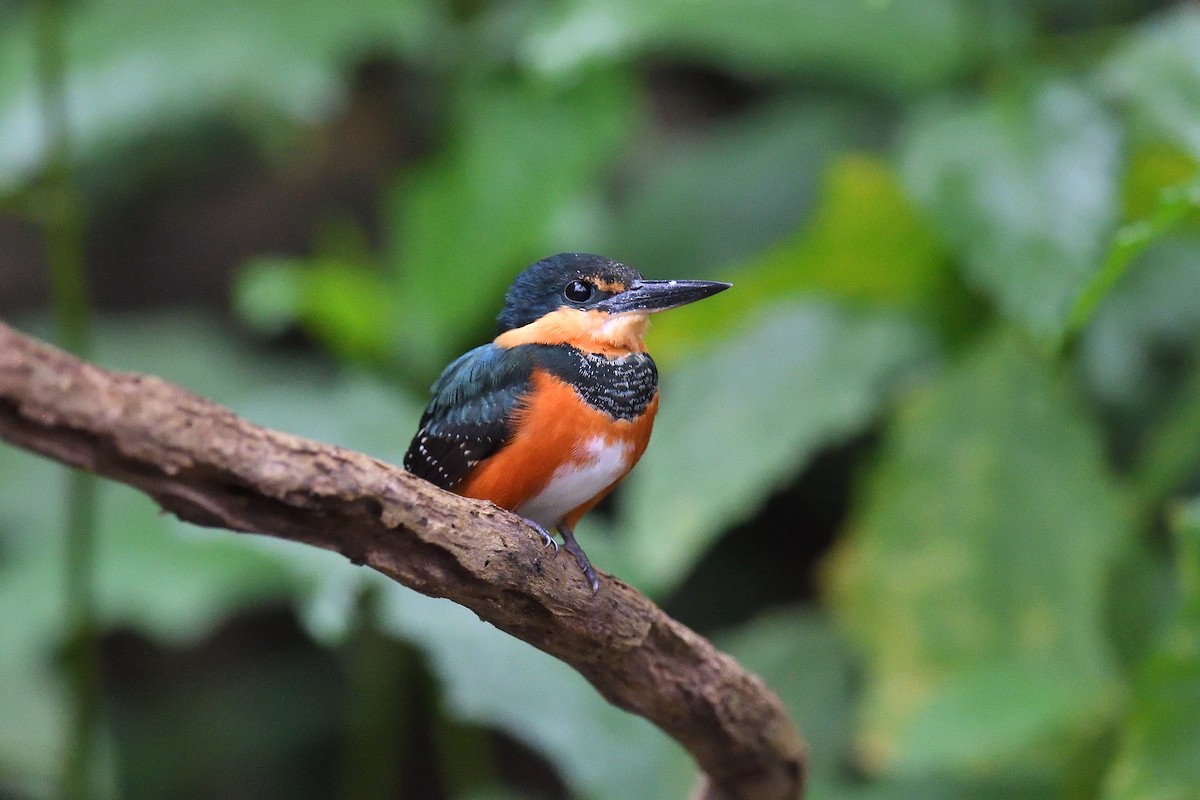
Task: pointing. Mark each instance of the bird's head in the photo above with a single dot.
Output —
(591, 302)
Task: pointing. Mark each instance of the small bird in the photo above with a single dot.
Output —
(551, 415)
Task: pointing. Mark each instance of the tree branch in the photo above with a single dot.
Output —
(201, 462)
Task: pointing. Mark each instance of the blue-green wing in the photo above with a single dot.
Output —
(471, 413)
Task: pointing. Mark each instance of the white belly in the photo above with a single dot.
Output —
(596, 466)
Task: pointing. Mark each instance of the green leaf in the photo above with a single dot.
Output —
(32, 708)
(1151, 311)
(342, 304)
(351, 410)
(269, 294)
(1155, 72)
(739, 424)
(195, 353)
(1185, 521)
(524, 156)
(940, 787)
(1160, 756)
(1156, 174)
(864, 244)
(1170, 452)
(1024, 189)
(1174, 206)
(136, 64)
(172, 580)
(724, 196)
(897, 45)
(799, 655)
(976, 569)
(971, 717)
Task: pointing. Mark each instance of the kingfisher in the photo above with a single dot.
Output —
(550, 416)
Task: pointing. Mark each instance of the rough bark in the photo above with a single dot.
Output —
(206, 465)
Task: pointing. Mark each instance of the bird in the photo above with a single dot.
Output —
(547, 418)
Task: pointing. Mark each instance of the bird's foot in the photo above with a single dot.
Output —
(547, 537)
(572, 547)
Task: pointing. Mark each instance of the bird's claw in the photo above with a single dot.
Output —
(589, 573)
(572, 547)
(547, 538)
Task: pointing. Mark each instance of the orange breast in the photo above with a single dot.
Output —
(555, 432)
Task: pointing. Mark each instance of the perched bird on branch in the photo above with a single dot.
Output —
(549, 417)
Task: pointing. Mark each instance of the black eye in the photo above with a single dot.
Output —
(579, 292)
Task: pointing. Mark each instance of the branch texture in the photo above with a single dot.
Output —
(206, 465)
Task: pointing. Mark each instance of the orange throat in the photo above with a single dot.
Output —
(591, 331)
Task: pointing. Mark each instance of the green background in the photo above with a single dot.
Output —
(931, 468)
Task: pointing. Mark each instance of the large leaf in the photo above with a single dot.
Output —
(864, 244)
(1160, 757)
(725, 195)
(974, 577)
(800, 656)
(135, 64)
(738, 424)
(1024, 188)
(1156, 72)
(898, 45)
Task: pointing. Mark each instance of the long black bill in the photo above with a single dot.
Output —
(661, 295)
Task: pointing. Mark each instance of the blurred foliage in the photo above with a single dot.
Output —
(1024, 186)
(998, 447)
(965, 246)
(142, 63)
(1158, 757)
